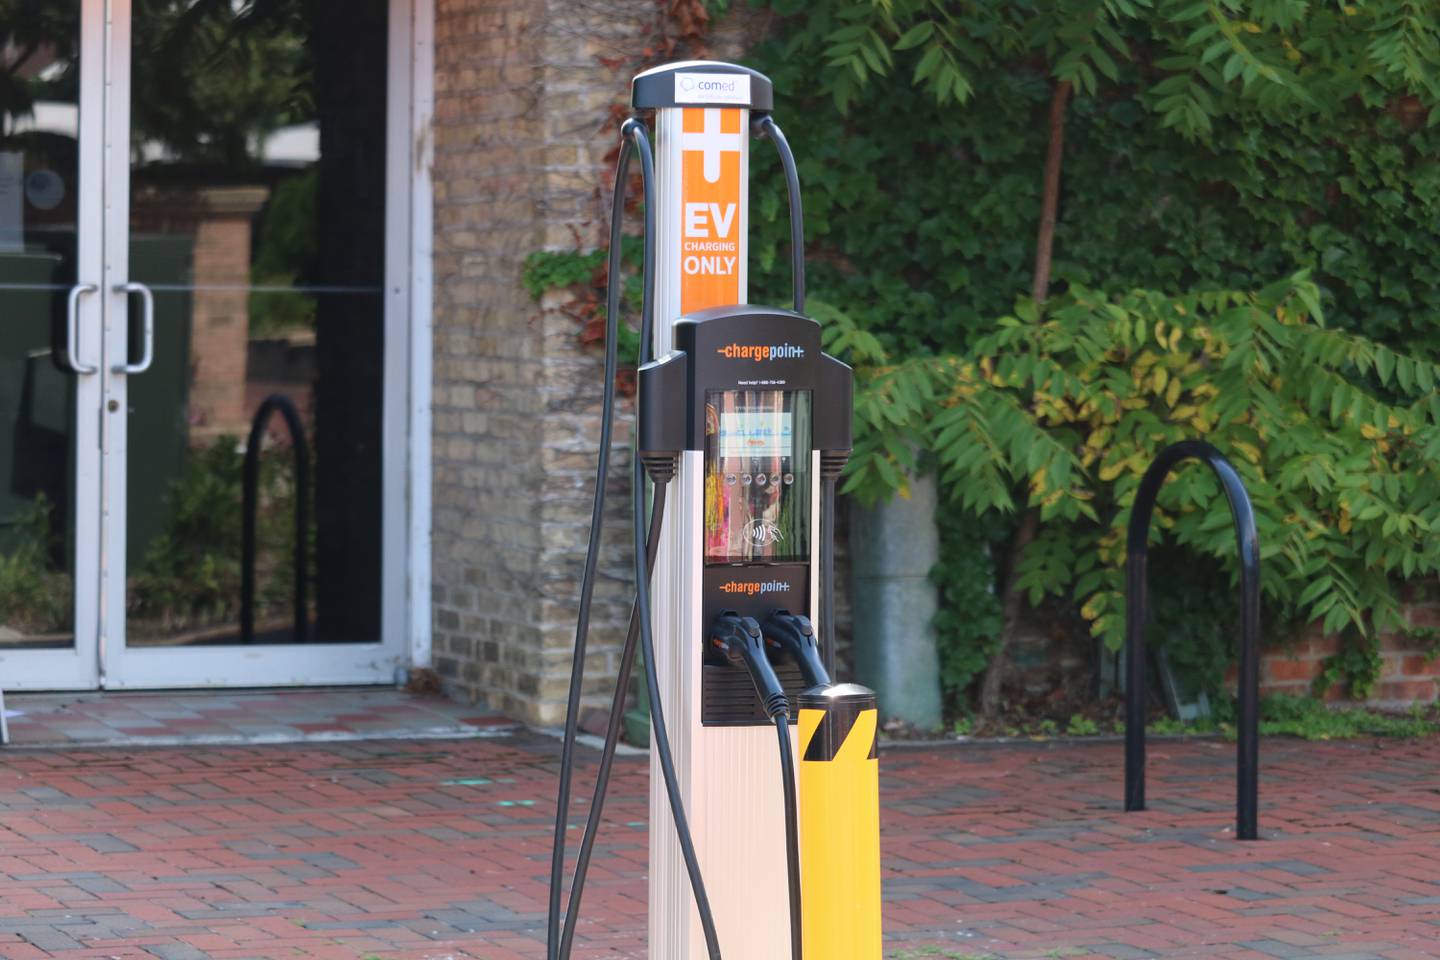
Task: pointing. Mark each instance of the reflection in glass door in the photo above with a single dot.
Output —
(250, 274)
(50, 343)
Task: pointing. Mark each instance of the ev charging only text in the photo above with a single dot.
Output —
(706, 250)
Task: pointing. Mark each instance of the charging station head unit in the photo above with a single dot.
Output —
(762, 403)
(702, 83)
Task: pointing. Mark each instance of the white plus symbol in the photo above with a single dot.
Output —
(712, 142)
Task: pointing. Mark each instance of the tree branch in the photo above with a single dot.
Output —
(1050, 197)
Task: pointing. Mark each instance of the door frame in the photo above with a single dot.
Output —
(406, 469)
(77, 667)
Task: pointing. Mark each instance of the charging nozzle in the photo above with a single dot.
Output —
(740, 640)
(795, 636)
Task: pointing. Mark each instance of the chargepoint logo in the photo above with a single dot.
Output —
(751, 588)
(761, 351)
(712, 88)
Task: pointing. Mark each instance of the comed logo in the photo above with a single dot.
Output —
(761, 351)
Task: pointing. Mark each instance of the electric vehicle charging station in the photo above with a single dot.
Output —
(746, 423)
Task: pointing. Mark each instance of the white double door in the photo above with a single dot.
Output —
(133, 294)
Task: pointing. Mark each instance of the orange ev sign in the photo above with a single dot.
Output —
(710, 242)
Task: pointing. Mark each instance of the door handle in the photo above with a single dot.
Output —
(72, 333)
(147, 300)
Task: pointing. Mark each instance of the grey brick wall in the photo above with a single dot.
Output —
(521, 98)
(521, 135)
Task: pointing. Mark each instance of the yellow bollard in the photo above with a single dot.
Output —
(839, 797)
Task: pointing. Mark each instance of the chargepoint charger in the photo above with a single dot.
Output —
(743, 427)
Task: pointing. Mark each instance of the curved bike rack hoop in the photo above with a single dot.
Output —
(1137, 608)
(301, 451)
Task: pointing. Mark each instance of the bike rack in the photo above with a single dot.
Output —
(1137, 607)
(301, 451)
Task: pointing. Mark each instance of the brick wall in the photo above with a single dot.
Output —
(520, 140)
(488, 185)
(1408, 676)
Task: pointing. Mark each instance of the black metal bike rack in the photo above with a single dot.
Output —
(1137, 607)
(301, 452)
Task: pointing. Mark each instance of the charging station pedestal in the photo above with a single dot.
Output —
(728, 774)
(743, 429)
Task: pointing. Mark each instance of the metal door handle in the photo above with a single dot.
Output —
(147, 300)
(72, 333)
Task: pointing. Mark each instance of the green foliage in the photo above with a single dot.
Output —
(236, 71)
(1282, 55)
(583, 275)
(1195, 611)
(190, 574)
(1082, 726)
(1071, 403)
(1209, 147)
(286, 248)
(1356, 668)
(922, 215)
(27, 27)
(968, 624)
(35, 592)
(1312, 719)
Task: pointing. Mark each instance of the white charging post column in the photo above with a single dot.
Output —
(729, 776)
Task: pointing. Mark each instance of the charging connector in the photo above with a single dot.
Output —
(742, 643)
(794, 636)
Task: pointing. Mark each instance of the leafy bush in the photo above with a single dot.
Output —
(1071, 403)
(1185, 168)
(968, 621)
(1208, 147)
(35, 595)
(190, 573)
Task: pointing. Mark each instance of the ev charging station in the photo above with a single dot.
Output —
(743, 427)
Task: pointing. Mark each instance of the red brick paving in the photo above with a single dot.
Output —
(440, 849)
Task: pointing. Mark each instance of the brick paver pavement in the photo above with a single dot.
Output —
(396, 850)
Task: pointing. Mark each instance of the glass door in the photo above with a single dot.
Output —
(244, 316)
(51, 92)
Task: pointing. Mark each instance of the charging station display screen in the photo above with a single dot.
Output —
(757, 476)
(756, 433)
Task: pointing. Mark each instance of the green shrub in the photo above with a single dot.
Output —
(190, 574)
(36, 595)
(1071, 403)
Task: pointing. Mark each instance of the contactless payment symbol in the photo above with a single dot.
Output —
(762, 533)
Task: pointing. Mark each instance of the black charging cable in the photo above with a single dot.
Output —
(661, 469)
(587, 577)
(792, 834)
(612, 735)
(742, 642)
(765, 126)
